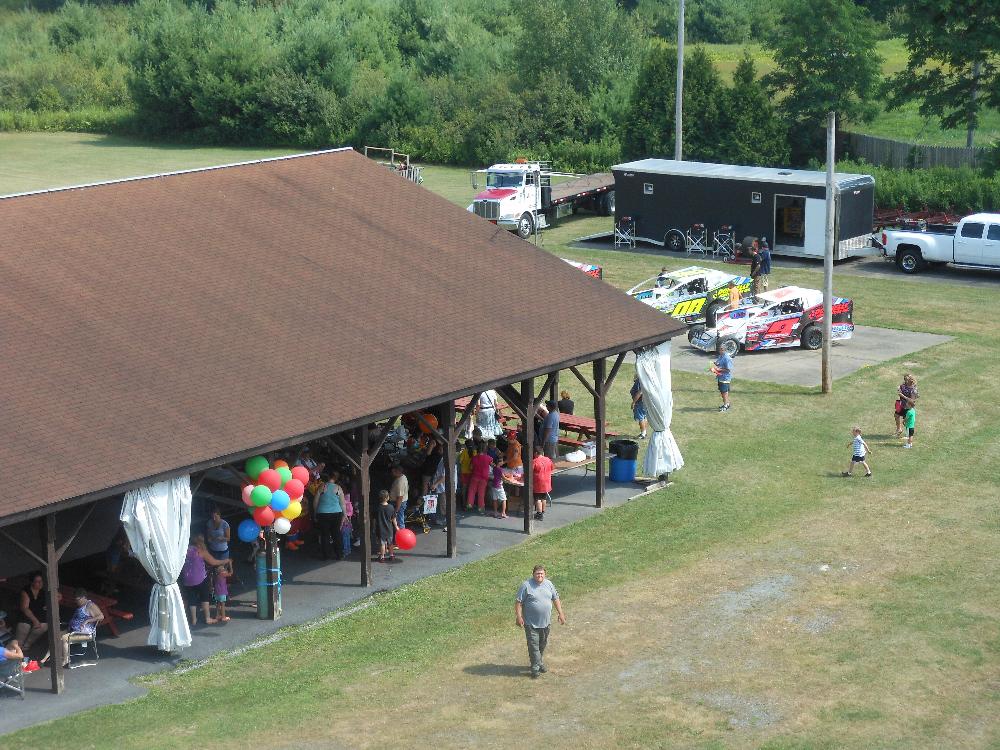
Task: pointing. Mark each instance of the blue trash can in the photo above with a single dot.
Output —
(622, 469)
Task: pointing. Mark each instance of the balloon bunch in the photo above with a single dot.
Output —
(274, 498)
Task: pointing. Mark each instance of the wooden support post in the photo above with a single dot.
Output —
(527, 406)
(450, 459)
(600, 414)
(52, 584)
(365, 506)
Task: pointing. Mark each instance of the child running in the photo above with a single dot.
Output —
(497, 493)
(911, 425)
(860, 456)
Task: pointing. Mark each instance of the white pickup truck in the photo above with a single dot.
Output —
(973, 243)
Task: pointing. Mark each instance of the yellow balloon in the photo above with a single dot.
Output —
(293, 511)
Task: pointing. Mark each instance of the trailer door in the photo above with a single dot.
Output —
(790, 222)
(815, 227)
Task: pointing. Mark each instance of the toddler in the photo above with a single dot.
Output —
(911, 424)
(860, 455)
(497, 493)
(222, 576)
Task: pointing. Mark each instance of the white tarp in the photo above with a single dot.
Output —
(653, 367)
(157, 520)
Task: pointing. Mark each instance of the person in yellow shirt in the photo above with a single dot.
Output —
(734, 296)
(465, 466)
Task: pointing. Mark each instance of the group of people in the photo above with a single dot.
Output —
(905, 414)
(31, 624)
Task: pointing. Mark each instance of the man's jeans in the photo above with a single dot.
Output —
(537, 638)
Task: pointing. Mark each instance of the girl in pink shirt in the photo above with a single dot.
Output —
(482, 464)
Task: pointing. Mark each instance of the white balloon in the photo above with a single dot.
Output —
(282, 525)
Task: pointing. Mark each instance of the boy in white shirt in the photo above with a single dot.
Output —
(860, 456)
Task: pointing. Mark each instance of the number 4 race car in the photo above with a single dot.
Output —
(790, 316)
(691, 294)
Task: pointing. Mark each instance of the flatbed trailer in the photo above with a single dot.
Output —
(580, 188)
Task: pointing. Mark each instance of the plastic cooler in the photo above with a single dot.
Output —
(622, 469)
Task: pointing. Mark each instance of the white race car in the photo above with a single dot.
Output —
(692, 294)
(789, 316)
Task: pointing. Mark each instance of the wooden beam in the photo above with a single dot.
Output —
(600, 415)
(344, 451)
(380, 437)
(48, 532)
(365, 507)
(513, 399)
(614, 372)
(527, 389)
(584, 381)
(86, 517)
(36, 556)
(466, 415)
(537, 400)
(450, 459)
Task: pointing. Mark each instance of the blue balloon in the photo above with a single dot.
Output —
(279, 501)
(248, 531)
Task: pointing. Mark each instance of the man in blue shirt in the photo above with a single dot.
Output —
(765, 264)
(722, 368)
(550, 431)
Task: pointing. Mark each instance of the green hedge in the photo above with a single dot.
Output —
(961, 191)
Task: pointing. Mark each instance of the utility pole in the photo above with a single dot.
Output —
(678, 109)
(831, 213)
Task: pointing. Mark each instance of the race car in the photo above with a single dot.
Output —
(692, 294)
(789, 316)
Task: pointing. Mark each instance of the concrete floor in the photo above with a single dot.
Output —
(312, 590)
(797, 366)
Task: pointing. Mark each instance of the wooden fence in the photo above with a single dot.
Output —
(884, 152)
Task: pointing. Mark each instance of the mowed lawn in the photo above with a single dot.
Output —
(761, 601)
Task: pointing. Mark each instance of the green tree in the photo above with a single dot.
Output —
(649, 124)
(954, 61)
(825, 61)
(751, 132)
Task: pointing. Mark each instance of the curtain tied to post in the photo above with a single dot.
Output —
(653, 367)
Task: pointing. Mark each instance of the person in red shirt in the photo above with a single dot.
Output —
(482, 470)
(541, 477)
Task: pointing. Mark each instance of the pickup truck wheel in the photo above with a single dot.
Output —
(674, 241)
(525, 226)
(695, 331)
(713, 312)
(607, 206)
(909, 260)
(731, 347)
(812, 337)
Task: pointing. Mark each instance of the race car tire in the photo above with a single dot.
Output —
(712, 312)
(695, 331)
(674, 241)
(909, 260)
(731, 347)
(812, 337)
(525, 226)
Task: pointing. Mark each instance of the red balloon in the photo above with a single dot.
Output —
(270, 479)
(264, 516)
(294, 488)
(406, 539)
(246, 495)
(302, 474)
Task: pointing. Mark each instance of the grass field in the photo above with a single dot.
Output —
(761, 601)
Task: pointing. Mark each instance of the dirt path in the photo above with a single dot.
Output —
(738, 647)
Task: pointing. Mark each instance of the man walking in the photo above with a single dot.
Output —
(533, 611)
(756, 262)
(722, 368)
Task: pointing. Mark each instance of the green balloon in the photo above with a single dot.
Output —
(260, 496)
(255, 466)
(285, 473)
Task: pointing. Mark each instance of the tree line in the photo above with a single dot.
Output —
(584, 83)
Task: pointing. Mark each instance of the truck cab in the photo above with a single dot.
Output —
(512, 197)
(973, 243)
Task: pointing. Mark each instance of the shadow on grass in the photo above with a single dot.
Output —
(497, 670)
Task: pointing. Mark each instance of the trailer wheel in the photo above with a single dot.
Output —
(909, 259)
(812, 337)
(695, 331)
(525, 226)
(712, 313)
(607, 204)
(674, 241)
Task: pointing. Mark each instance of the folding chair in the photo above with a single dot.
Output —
(696, 239)
(725, 242)
(625, 232)
(12, 676)
(87, 640)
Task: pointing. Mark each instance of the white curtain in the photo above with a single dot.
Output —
(653, 366)
(157, 520)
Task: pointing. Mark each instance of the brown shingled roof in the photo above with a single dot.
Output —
(154, 325)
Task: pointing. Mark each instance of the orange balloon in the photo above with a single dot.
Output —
(429, 419)
(279, 463)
